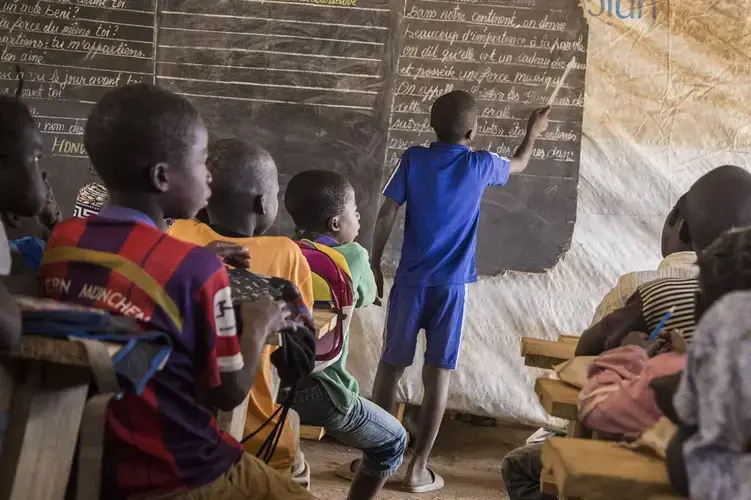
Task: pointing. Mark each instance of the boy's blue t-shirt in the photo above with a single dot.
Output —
(442, 186)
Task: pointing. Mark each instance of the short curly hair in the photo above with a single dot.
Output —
(315, 196)
(453, 115)
(135, 127)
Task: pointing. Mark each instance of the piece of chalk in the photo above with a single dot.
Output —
(560, 82)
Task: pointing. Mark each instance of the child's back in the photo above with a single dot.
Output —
(324, 208)
(270, 256)
(149, 147)
(442, 186)
(117, 262)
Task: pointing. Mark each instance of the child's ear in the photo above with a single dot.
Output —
(159, 177)
(683, 232)
(470, 135)
(259, 205)
(333, 224)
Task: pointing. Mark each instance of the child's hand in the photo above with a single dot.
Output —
(231, 254)
(378, 275)
(538, 121)
(263, 317)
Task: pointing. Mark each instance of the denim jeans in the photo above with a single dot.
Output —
(521, 471)
(366, 426)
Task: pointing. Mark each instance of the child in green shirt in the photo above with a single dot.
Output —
(322, 205)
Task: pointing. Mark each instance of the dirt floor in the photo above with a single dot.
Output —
(467, 457)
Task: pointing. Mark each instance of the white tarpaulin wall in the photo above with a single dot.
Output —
(667, 99)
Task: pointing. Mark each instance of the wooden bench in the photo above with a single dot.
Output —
(541, 353)
(558, 398)
(43, 389)
(602, 470)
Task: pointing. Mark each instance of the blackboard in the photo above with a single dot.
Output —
(336, 84)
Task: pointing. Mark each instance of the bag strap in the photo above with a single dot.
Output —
(91, 447)
(91, 436)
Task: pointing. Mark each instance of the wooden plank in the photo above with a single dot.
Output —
(399, 415)
(40, 441)
(600, 470)
(52, 350)
(558, 398)
(312, 433)
(571, 339)
(233, 422)
(547, 483)
(325, 321)
(546, 353)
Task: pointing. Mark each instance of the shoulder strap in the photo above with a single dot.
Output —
(91, 437)
(335, 255)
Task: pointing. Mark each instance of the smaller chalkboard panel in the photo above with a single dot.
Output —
(71, 53)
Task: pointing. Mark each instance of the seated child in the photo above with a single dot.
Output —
(243, 205)
(22, 192)
(715, 203)
(442, 187)
(149, 148)
(521, 468)
(710, 455)
(322, 205)
(678, 261)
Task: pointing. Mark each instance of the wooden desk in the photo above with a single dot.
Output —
(602, 470)
(546, 353)
(558, 398)
(43, 389)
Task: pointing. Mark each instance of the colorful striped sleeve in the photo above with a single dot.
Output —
(215, 299)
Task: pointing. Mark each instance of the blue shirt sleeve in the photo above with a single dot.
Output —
(396, 186)
(31, 250)
(497, 170)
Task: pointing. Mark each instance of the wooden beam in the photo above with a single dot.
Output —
(325, 321)
(546, 353)
(558, 398)
(399, 415)
(603, 470)
(312, 433)
(571, 339)
(42, 431)
(233, 422)
(52, 350)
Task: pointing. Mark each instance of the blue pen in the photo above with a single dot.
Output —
(662, 322)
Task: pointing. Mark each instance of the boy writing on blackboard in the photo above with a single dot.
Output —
(442, 186)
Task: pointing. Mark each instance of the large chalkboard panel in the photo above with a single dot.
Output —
(510, 55)
(304, 79)
(338, 84)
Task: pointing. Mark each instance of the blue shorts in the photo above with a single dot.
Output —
(439, 310)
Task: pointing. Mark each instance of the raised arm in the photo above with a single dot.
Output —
(537, 124)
